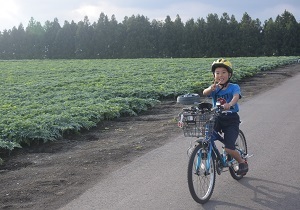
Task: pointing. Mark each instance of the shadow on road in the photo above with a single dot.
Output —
(272, 194)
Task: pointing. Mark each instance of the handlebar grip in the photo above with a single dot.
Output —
(222, 106)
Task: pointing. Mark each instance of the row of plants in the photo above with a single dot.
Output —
(43, 99)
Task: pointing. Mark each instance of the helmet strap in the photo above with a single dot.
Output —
(223, 85)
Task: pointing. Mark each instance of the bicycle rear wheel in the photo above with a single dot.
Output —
(201, 179)
(241, 147)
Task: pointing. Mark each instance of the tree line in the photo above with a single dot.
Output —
(138, 37)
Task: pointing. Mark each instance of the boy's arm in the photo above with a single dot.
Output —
(207, 91)
(234, 100)
(210, 89)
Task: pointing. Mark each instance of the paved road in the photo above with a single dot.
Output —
(157, 180)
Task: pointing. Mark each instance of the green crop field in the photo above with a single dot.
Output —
(43, 99)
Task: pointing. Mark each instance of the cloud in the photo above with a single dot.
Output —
(186, 10)
(13, 12)
(275, 10)
(9, 12)
(93, 11)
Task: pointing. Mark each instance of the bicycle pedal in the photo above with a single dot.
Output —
(204, 156)
(248, 156)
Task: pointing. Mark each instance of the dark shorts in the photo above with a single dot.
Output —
(229, 125)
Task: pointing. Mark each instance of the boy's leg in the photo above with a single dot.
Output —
(230, 135)
(235, 154)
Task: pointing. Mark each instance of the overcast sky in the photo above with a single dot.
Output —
(14, 12)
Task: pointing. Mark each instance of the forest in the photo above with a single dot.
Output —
(138, 37)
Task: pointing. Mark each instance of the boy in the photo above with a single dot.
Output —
(228, 95)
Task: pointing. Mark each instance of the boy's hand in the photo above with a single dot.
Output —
(226, 106)
(213, 86)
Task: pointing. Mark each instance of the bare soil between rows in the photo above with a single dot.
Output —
(48, 176)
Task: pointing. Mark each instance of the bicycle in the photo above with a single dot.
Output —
(205, 159)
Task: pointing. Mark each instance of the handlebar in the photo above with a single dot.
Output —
(199, 119)
(207, 107)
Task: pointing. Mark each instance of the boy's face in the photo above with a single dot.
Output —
(221, 75)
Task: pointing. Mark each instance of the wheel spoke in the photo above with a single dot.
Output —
(201, 179)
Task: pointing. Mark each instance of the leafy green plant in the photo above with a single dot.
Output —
(43, 99)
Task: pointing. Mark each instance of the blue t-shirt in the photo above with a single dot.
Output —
(226, 94)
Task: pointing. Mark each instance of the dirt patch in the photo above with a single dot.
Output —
(48, 176)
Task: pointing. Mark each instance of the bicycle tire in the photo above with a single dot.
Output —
(188, 99)
(201, 185)
(240, 144)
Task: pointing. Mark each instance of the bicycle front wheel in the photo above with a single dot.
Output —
(201, 175)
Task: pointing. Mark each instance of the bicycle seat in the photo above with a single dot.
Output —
(205, 105)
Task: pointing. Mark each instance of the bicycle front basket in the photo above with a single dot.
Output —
(196, 124)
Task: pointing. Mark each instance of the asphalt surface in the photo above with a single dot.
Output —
(158, 179)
